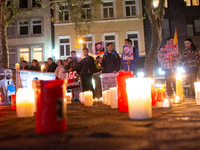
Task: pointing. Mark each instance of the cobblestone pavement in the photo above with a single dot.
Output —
(100, 127)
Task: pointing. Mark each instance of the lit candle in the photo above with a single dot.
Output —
(108, 97)
(81, 97)
(95, 100)
(25, 102)
(68, 97)
(179, 87)
(34, 87)
(113, 97)
(139, 98)
(88, 98)
(197, 92)
(153, 95)
(160, 94)
(16, 65)
(177, 100)
(42, 68)
(13, 102)
(104, 97)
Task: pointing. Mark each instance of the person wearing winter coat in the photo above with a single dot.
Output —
(60, 71)
(35, 65)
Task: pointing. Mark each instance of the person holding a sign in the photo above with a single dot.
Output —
(130, 56)
(169, 57)
(190, 59)
(111, 61)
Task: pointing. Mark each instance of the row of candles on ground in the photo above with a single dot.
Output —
(17, 67)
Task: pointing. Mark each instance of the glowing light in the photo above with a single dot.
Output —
(80, 41)
(180, 70)
(140, 74)
(161, 72)
(155, 3)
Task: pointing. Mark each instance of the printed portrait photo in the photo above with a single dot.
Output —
(99, 48)
(128, 52)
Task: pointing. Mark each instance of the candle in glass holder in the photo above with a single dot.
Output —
(108, 97)
(197, 92)
(153, 95)
(88, 95)
(139, 98)
(16, 65)
(42, 68)
(113, 97)
(25, 102)
(13, 101)
(179, 87)
(104, 97)
(68, 97)
(160, 94)
(81, 97)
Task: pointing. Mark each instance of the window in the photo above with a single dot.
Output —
(133, 36)
(12, 57)
(191, 2)
(166, 29)
(86, 12)
(64, 13)
(37, 53)
(130, 7)
(24, 54)
(36, 27)
(87, 42)
(11, 30)
(108, 10)
(193, 26)
(110, 39)
(23, 4)
(23, 28)
(65, 47)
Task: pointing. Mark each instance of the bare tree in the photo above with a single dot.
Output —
(156, 19)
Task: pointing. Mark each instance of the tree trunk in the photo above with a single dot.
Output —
(3, 35)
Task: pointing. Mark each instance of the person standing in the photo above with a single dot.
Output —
(35, 65)
(169, 65)
(131, 64)
(24, 65)
(111, 61)
(190, 59)
(52, 65)
(59, 72)
(87, 69)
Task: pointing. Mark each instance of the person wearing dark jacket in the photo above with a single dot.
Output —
(24, 66)
(52, 65)
(35, 65)
(88, 68)
(111, 61)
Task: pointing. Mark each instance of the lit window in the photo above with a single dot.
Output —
(11, 30)
(65, 47)
(36, 27)
(87, 42)
(130, 8)
(64, 13)
(191, 2)
(110, 39)
(108, 10)
(133, 36)
(24, 54)
(23, 28)
(37, 53)
(86, 12)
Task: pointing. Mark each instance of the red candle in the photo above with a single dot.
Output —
(121, 88)
(153, 95)
(51, 107)
(160, 96)
(13, 101)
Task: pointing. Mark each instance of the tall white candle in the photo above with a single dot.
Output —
(25, 102)
(108, 97)
(197, 92)
(88, 95)
(104, 97)
(139, 98)
(113, 97)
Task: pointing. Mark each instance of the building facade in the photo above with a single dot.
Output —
(30, 37)
(118, 20)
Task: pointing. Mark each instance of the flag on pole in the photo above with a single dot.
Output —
(176, 37)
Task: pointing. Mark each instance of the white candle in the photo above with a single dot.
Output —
(81, 97)
(42, 68)
(104, 97)
(197, 92)
(25, 102)
(108, 97)
(113, 97)
(139, 98)
(88, 98)
(68, 97)
(16, 65)
(95, 100)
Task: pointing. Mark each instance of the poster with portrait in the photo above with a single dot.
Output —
(108, 80)
(99, 48)
(170, 50)
(128, 52)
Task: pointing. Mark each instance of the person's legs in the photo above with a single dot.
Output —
(169, 79)
(192, 77)
(87, 83)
